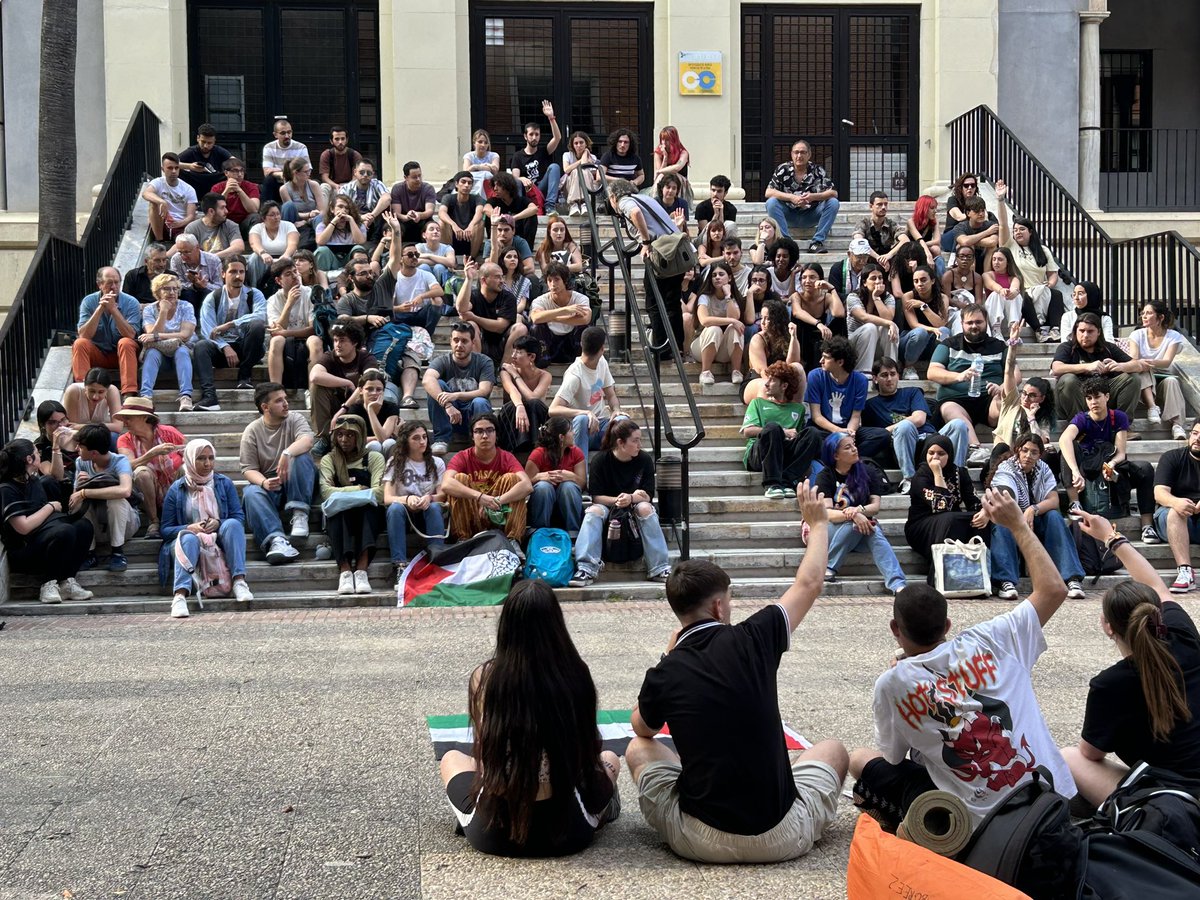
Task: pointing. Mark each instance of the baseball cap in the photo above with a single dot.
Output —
(860, 247)
(512, 223)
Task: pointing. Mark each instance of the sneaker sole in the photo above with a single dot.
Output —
(1180, 590)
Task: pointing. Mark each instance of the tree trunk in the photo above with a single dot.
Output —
(56, 120)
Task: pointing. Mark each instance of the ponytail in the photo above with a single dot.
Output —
(1135, 614)
(549, 438)
(12, 459)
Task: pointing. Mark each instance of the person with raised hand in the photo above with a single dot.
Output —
(1140, 708)
(742, 801)
(958, 713)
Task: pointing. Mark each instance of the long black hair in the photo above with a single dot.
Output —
(12, 459)
(1035, 242)
(534, 696)
(549, 438)
(400, 451)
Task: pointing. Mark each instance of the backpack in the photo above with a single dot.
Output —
(590, 288)
(1029, 842)
(388, 346)
(211, 572)
(878, 476)
(324, 314)
(1157, 801)
(1136, 865)
(548, 557)
(1096, 561)
(1106, 498)
(622, 537)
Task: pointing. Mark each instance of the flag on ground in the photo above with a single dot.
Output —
(474, 572)
(454, 733)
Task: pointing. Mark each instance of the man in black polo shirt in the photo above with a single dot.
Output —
(732, 795)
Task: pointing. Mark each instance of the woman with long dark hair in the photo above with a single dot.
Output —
(1025, 406)
(559, 475)
(818, 312)
(38, 539)
(1038, 269)
(1002, 282)
(578, 163)
(775, 342)
(964, 187)
(536, 782)
(1154, 346)
(412, 492)
(853, 498)
(57, 448)
(723, 317)
(1140, 709)
(928, 316)
(942, 501)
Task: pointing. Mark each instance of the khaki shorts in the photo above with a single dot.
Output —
(818, 787)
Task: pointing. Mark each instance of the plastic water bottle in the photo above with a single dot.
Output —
(976, 385)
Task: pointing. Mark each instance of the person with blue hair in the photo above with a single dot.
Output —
(852, 495)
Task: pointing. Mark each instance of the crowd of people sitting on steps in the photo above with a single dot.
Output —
(339, 285)
(349, 312)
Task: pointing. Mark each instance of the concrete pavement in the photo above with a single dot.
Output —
(285, 754)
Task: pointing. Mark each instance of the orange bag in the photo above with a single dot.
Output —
(885, 867)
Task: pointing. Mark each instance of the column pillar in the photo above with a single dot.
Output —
(1089, 106)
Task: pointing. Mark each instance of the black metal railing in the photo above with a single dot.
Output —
(1162, 266)
(615, 254)
(62, 272)
(1149, 168)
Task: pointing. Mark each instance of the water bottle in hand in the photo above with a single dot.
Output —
(975, 387)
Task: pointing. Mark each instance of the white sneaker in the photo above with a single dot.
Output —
(979, 456)
(1177, 432)
(735, 376)
(280, 551)
(361, 584)
(1008, 591)
(706, 377)
(300, 523)
(910, 374)
(1154, 415)
(70, 589)
(1074, 590)
(241, 591)
(905, 486)
(439, 448)
(179, 608)
(49, 593)
(1184, 581)
(346, 582)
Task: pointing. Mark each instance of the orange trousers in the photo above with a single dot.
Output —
(467, 519)
(86, 355)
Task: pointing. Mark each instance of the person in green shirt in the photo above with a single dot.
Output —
(779, 445)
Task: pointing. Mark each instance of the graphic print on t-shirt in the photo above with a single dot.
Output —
(835, 406)
(978, 743)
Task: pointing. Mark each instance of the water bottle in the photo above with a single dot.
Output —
(614, 529)
(975, 387)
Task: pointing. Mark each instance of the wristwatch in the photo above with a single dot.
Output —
(287, 453)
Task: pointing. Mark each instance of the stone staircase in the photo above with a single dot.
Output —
(755, 539)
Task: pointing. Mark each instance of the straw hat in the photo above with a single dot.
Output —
(138, 406)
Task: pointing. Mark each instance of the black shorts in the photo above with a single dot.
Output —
(976, 407)
(886, 791)
(546, 836)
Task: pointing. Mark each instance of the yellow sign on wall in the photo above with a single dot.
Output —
(700, 73)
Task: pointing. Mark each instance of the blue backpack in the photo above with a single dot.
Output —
(548, 557)
(388, 346)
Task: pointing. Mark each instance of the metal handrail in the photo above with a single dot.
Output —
(1162, 266)
(621, 252)
(62, 271)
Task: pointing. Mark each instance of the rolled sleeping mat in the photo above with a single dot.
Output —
(938, 821)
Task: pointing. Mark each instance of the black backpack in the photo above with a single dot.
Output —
(1136, 865)
(1156, 801)
(626, 544)
(1029, 842)
(1096, 561)
(878, 476)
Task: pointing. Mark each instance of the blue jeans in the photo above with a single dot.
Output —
(1051, 529)
(231, 538)
(914, 343)
(437, 270)
(181, 362)
(262, 506)
(1160, 525)
(587, 443)
(289, 213)
(904, 443)
(788, 217)
(548, 185)
(844, 539)
(591, 538)
(566, 498)
(443, 430)
(430, 521)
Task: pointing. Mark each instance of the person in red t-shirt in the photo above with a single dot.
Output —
(241, 196)
(481, 480)
(558, 471)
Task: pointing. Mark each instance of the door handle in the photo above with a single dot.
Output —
(847, 122)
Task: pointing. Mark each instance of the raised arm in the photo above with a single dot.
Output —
(810, 575)
(1049, 590)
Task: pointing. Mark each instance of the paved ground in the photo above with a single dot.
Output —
(281, 754)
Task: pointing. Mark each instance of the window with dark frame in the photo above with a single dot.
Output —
(1125, 111)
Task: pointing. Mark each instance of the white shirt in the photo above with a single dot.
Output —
(967, 712)
(300, 315)
(178, 196)
(583, 388)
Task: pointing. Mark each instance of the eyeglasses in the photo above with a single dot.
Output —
(483, 432)
(1031, 395)
(411, 255)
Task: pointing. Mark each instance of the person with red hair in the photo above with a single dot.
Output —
(671, 156)
(923, 228)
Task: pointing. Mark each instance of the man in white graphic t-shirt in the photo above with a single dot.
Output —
(587, 387)
(958, 713)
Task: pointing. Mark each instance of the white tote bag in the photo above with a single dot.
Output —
(960, 569)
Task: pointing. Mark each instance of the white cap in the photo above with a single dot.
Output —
(860, 247)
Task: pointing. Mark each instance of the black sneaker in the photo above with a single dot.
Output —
(816, 247)
(208, 403)
(117, 562)
(246, 385)
(90, 563)
(321, 446)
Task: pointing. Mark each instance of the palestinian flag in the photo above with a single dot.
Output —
(454, 733)
(475, 572)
